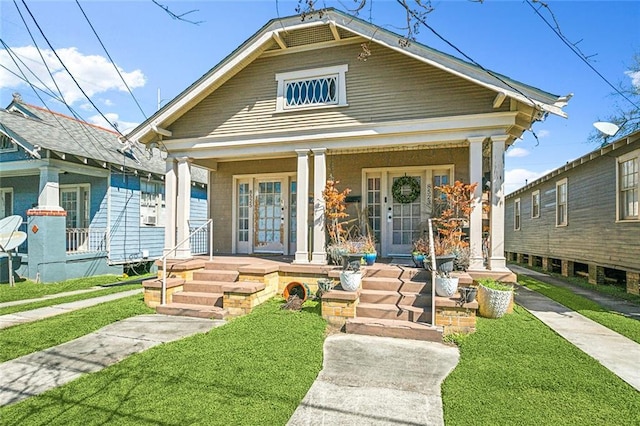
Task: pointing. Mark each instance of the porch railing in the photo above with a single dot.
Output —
(86, 240)
(208, 224)
(199, 238)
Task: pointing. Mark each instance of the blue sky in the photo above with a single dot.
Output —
(155, 52)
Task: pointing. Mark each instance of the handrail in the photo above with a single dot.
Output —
(163, 290)
(433, 274)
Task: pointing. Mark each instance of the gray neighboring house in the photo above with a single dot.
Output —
(90, 204)
(582, 218)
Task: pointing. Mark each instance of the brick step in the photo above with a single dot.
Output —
(394, 328)
(393, 312)
(189, 310)
(199, 286)
(393, 284)
(157, 282)
(198, 298)
(398, 272)
(215, 275)
(395, 298)
(218, 265)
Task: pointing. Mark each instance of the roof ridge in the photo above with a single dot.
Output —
(69, 118)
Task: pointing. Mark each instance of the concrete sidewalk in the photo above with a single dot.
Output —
(616, 352)
(368, 380)
(50, 311)
(38, 372)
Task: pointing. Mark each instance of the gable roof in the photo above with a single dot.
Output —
(277, 32)
(35, 129)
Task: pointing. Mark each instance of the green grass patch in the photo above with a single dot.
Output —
(628, 327)
(67, 299)
(31, 290)
(254, 370)
(517, 371)
(24, 339)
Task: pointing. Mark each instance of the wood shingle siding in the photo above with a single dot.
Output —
(246, 103)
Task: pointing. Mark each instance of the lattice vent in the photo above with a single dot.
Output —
(308, 36)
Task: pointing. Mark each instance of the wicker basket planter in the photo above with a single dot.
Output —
(493, 303)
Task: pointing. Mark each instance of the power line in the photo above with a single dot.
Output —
(574, 49)
(110, 59)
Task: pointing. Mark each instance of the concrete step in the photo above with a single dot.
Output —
(198, 298)
(189, 310)
(394, 284)
(199, 286)
(220, 265)
(398, 272)
(395, 298)
(394, 312)
(215, 275)
(394, 328)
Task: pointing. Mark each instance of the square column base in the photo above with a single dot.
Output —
(301, 257)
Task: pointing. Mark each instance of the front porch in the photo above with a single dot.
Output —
(394, 299)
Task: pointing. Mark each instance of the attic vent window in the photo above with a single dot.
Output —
(6, 144)
(315, 88)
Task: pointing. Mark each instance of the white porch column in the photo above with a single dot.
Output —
(49, 195)
(170, 196)
(302, 207)
(497, 261)
(319, 255)
(183, 209)
(476, 262)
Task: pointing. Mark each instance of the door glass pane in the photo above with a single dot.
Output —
(243, 212)
(406, 217)
(374, 206)
(270, 222)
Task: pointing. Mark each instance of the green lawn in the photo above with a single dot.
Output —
(628, 327)
(516, 371)
(31, 290)
(24, 339)
(254, 370)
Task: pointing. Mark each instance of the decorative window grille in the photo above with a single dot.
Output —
(320, 87)
(628, 188)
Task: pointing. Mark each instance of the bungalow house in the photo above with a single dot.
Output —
(582, 218)
(333, 95)
(89, 203)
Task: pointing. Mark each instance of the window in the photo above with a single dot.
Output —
(561, 203)
(535, 204)
(6, 202)
(152, 205)
(74, 199)
(628, 186)
(320, 87)
(516, 214)
(6, 144)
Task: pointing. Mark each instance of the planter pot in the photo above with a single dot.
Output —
(468, 294)
(493, 303)
(446, 286)
(418, 259)
(295, 288)
(370, 258)
(443, 263)
(350, 280)
(325, 284)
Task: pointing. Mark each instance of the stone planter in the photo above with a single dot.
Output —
(446, 286)
(350, 280)
(493, 303)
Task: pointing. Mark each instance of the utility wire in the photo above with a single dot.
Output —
(110, 59)
(575, 50)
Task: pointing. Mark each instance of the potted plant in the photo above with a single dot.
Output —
(420, 251)
(494, 298)
(369, 249)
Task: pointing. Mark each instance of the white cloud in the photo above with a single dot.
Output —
(123, 126)
(635, 78)
(94, 73)
(517, 152)
(517, 178)
(543, 133)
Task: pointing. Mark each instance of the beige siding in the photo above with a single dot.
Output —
(592, 234)
(388, 86)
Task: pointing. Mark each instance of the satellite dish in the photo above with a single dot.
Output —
(607, 128)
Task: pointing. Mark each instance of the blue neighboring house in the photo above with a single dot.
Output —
(90, 203)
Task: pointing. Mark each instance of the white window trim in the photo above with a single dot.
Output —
(533, 194)
(337, 70)
(566, 203)
(77, 187)
(14, 146)
(517, 216)
(4, 191)
(622, 159)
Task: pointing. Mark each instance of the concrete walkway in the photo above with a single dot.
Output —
(616, 352)
(368, 380)
(50, 311)
(40, 371)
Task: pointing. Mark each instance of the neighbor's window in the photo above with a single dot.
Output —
(6, 202)
(516, 214)
(561, 203)
(628, 186)
(319, 87)
(535, 204)
(152, 204)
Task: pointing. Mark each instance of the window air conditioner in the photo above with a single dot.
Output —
(149, 220)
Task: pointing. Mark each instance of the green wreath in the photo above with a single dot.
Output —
(396, 190)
